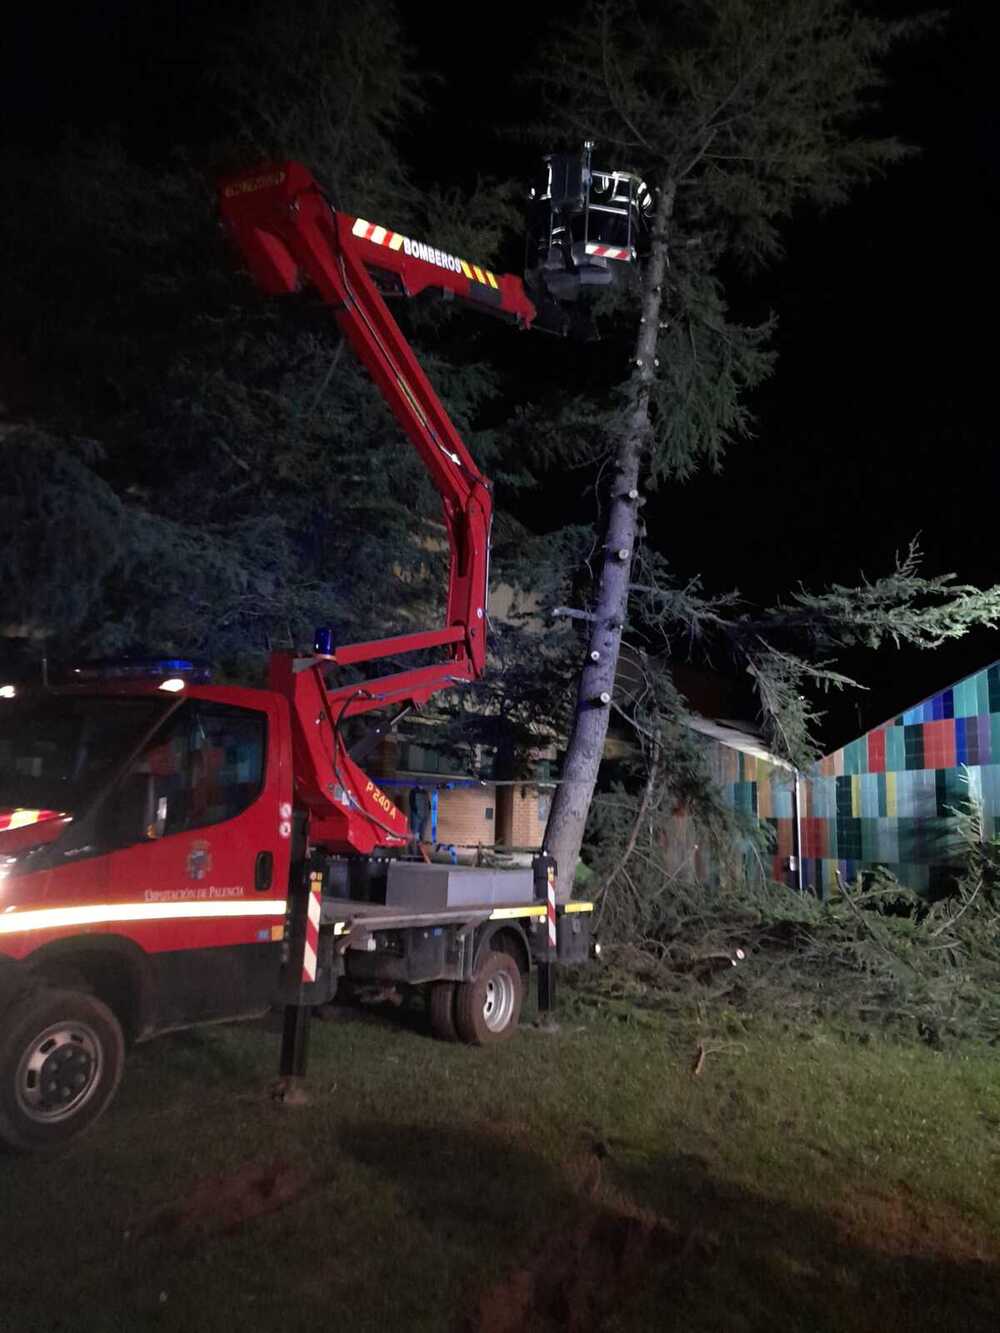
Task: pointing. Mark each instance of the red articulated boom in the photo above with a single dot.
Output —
(290, 236)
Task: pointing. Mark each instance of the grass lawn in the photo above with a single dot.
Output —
(803, 1180)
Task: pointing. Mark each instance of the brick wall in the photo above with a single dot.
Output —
(462, 816)
(529, 812)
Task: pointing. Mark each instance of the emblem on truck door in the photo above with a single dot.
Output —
(199, 861)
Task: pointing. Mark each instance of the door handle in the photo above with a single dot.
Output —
(263, 872)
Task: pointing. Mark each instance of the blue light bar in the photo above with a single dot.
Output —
(142, 668)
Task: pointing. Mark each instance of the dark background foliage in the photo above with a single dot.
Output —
(210, 475)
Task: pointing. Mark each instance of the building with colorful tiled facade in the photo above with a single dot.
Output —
(759, 787)
(889, 797)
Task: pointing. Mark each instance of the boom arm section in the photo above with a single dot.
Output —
(289, 236)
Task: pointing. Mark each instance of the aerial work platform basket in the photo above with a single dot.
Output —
(586, 225)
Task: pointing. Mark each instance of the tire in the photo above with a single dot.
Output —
(441, 1005)
(61, 1058)
(488, 1008)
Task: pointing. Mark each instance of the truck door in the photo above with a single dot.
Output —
(202, 830)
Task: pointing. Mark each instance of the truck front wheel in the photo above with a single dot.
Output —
(61, 1058)
(488, 1008)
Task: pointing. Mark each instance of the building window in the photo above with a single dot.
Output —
(415, 758)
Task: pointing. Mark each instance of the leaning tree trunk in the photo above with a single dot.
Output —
(585, 748)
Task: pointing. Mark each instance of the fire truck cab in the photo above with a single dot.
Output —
(155, 873)
(144, 871)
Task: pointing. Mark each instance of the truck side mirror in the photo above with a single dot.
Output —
(159, 826)
(129, 815)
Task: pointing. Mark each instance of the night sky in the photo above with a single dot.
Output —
(879, 423)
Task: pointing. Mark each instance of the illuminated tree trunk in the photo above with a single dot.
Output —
(585, 748)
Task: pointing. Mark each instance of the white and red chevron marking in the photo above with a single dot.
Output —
(608, 251)
(311, 951)
(550, 910)
(371, 231)
(22, 818)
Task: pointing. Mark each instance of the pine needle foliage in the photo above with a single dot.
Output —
(739, 115)
(245, 481)
(874, 957)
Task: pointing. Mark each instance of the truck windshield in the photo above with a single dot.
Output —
(57, 751)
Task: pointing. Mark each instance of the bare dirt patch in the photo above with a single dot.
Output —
(580, 1279)
(877, 1258)
(589, 1272)
(220, 1205)
(898, 1224)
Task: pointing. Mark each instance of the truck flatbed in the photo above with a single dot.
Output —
(346, 916)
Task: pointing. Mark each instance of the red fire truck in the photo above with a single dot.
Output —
(175, 852)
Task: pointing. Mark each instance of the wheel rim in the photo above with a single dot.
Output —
(59, 1072)
(498, 1002)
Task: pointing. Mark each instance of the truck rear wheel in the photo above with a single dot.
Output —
(441, 1004)
(488, 1008)
(61, 1058)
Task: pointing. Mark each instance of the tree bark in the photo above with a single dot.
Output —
(585, 747)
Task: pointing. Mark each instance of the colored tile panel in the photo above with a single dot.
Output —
(781, 798)
(913, 745)
(966, 701)
(939, 744)
(951, 790)
(888, 842)
(908, 835)
(983, 730)
(982, 690)
(993, 687)
(963, 738)
(891, 795)
(876, 751)
(924, 788)
(849, 838)
(895, 749)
